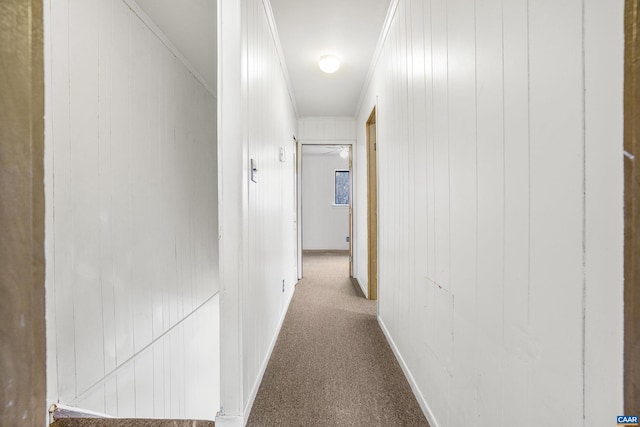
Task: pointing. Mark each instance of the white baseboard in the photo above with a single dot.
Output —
(59, 411)
(407, 373)
(265, 362)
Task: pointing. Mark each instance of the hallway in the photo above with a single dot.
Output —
(331, 364)
(151, 162)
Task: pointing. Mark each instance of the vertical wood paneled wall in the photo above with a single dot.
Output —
(270, 233)
(324, 130)
(131, 182)
(500, 208)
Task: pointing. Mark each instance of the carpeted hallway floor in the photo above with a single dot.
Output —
(331, 365)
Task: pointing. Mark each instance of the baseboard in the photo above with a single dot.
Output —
(407, 373)
(59, 411)
(325, 252)
(265, 362)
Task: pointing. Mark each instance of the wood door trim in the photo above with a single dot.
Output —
(22, 217)
(372, 207)
(632, 209)
(350, 211)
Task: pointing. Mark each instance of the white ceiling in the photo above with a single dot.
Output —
(309, 29)
(191, 26)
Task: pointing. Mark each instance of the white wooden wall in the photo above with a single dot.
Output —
(270, 234)
(323, 129)
(132, 269)
(500, 186)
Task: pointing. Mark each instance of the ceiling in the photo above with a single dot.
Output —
(308, 29)
(191, 27)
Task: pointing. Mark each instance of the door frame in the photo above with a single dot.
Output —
(300, 177)
(631, 210)
(351, 192)
(372, 206)
(297, 210)
(22, 218)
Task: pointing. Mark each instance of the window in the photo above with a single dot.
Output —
(341, 188)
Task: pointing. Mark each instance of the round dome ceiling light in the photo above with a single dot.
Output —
(329, 63)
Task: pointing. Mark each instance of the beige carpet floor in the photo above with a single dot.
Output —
(332, 365)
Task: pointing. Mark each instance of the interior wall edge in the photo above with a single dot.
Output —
(50, 306)
(604, 210)
(232, 157)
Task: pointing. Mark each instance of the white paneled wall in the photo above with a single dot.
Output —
(270, 245)
(326, 129)
(132, 310)
(175, 377)
(496, 174)
(325, 225)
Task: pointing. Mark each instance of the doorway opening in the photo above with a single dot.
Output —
(326, 197)
(372, 207)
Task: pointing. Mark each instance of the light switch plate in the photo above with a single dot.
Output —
(254, 171)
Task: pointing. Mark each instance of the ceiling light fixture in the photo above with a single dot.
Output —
(329, 63)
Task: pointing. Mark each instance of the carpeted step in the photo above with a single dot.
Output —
(129, 422)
